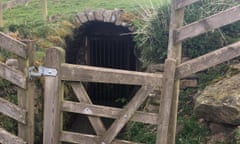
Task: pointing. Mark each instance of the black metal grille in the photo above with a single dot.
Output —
(111, 52)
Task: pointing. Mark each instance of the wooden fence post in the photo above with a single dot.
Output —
(53, 96)
(1, 13)
(44, 10)
(169, 100)
(26, 97)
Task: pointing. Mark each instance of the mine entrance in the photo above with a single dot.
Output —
(112, 51)
(104, 45)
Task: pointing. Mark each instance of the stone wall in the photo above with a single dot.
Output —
(117, 17)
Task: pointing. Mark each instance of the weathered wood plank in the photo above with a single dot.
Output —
(182, 3)
(53, 97)
(82, 96)
(107, 112)
(126, 114)
(174, 54)
(1, 13)
(8, 138)
(105, 75)
(26, 97)
(187, 83)
(12, 45)
(86, 139)
(208, 60)
(44, 10)
(166, 102)
(226, 17)
(12, 111)
(14, 76)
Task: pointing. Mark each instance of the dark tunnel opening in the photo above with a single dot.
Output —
(104, 45)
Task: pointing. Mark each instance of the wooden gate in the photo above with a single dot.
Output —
(23, 113)
(55, 104)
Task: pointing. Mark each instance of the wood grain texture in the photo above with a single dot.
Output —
(83, 97)
(183, 3)
(26, 97)
(177, 17)
(126, 114)
(223, 18)
(53, 96)
(208, 60)
(107, 112)
(105, 75)
(1, 13)
(12, 111)
(166, 102)
(8, 138)
(44, 10)
(14, 76)
(168, 121)
(12, 45)
(86, 139)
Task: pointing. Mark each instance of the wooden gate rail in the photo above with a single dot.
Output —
(12, 111)
(208, 60)
(87, 139)
(8, 138)
(107, 112)
(12, 45)
(106, 75)
(175, 70)
(224, 18)
(14, 76)
(24, 111)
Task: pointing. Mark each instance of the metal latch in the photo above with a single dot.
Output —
(41, 71)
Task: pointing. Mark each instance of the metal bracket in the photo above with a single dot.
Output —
(42, 71)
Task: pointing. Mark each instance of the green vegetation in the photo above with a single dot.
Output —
(152, 25)
(152, 32)
(31, 13)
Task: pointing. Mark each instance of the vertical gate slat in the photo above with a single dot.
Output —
(167, 123)
(26, 97)
(53, 96)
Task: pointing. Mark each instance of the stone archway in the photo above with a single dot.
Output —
(111, 31)
(116, 17)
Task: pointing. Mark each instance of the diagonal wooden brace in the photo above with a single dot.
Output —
(126, 114)
(82, 96)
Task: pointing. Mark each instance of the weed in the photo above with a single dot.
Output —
(139, 132)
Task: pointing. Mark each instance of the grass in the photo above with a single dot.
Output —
(31, 12)
(27, 19)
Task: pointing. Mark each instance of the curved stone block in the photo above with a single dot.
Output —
(99, 14)
(90, 15)
(82, 17)
(107, 15)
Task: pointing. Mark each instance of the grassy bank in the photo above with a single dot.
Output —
(31, 12)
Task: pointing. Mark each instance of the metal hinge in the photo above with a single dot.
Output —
(41, 71)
